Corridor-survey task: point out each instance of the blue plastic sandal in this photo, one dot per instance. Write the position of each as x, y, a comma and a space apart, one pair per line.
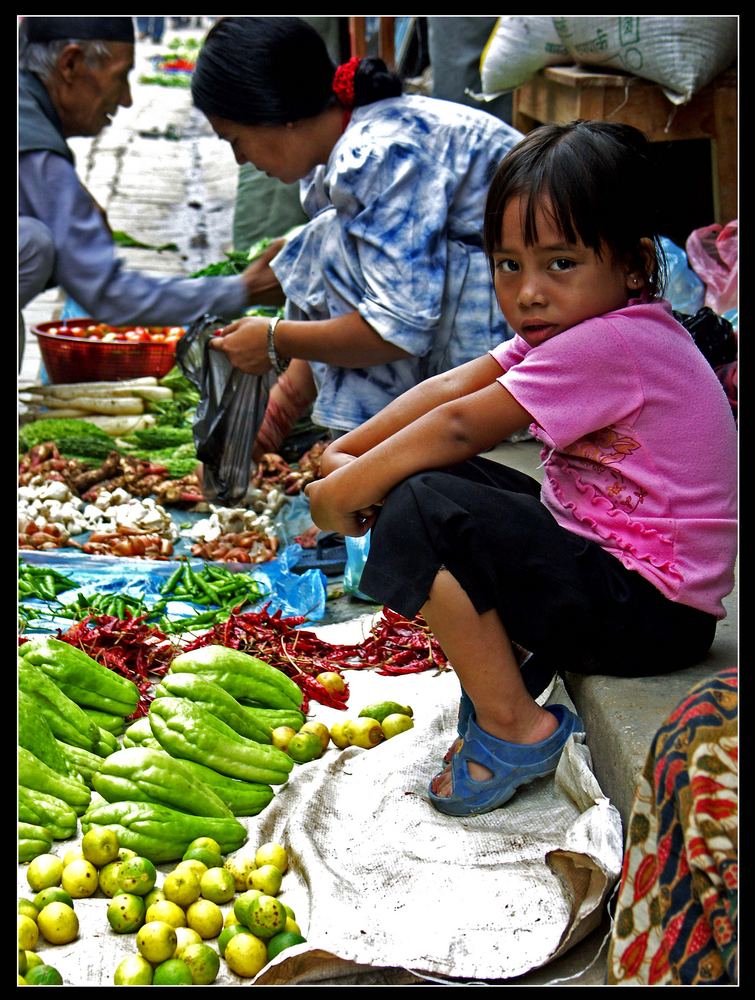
511, 765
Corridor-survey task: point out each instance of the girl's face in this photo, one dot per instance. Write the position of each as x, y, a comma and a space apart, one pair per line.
552, 285
280, 151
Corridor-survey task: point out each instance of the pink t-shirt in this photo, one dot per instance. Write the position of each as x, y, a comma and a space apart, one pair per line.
640, 446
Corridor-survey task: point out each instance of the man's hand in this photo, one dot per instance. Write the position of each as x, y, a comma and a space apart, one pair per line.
244, 342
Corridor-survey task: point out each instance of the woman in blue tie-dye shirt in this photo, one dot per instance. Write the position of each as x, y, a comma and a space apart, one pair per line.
387, 283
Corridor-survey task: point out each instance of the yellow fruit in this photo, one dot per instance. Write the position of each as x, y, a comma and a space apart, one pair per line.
396, 723
217, 885
320, 730
339, 733
73, 854
28, 933
246, 955
100, 845
184, 937
205, 917
240, 868
204, 963
58, 923
165, 910
243, 903
134, 970
271, 854
28, 908
332, 681
172, 972
365, 732
181, 887
109, 878
267, 878
44, 871
192, 865
281, 736
156, 941
304, 747
291, 925
137, 875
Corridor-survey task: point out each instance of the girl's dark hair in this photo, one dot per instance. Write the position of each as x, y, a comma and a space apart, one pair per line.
600, 183
274, 70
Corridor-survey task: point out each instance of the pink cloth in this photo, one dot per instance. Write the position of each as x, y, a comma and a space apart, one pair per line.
640, 447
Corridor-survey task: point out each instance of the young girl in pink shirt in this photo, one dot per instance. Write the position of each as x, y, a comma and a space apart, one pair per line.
619, 563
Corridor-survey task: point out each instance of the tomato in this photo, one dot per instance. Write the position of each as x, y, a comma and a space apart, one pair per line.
158, 338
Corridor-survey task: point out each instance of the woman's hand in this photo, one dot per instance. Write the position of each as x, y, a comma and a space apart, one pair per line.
262, 285
244, 342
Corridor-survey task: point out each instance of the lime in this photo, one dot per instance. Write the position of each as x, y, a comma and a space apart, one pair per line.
125, 912
134, 970
43, 975
23, 963
192, 865
58, 923
305, 747
281, 736
267, 879
28, 932
100, 845
208, 857
279, 942
164, 909
137, 875
54, 894
205, 917
32, 959
156, 941
291, 924
172, 972
240, 868
152, 896
228, 932
109, 878
181, 887
206, 842
80, 878
28, 908
43, 871
73, 854
272, 854
184, 937
217, 885
245, 955
204, 963
124, 853
243, 903
320, 730
267, 916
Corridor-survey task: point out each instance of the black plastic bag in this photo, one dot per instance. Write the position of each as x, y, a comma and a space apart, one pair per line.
713, 334
228, 415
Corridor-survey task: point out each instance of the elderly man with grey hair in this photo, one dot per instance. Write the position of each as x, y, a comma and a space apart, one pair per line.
74, 75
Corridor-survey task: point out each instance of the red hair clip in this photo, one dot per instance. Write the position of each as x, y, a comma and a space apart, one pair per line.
343, 82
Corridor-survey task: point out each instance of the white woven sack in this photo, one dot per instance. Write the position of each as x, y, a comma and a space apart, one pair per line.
681, 53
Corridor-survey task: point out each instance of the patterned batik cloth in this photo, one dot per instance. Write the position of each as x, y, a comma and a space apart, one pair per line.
676, 914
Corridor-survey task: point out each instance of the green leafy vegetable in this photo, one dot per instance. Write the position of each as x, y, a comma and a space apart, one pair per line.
124, 240
73, 437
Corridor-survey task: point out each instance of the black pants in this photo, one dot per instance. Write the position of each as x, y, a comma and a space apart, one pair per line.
560, 596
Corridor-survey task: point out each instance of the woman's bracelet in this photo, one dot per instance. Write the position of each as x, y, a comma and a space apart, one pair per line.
278, 364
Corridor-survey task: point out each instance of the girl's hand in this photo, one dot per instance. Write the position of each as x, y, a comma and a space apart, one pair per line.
244, 342
329, 516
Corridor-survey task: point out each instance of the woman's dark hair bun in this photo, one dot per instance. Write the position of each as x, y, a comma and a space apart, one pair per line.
373, 81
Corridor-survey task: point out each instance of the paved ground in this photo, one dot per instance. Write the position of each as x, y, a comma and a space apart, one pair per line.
162, 176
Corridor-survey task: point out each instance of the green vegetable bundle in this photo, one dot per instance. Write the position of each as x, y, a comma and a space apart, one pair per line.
33, 840
160, 833
140, 774
187, 731
73, 437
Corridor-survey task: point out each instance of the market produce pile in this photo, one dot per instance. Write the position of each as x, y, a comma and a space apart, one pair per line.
174, 67
223, 732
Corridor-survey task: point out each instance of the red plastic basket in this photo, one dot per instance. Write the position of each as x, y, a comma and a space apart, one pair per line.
76, 359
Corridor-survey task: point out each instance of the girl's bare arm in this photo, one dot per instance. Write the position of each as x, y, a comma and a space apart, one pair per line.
455, 430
